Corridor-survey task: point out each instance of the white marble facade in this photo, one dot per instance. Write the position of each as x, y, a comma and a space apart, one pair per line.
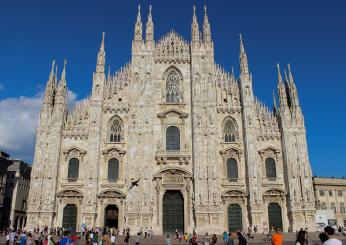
172, 120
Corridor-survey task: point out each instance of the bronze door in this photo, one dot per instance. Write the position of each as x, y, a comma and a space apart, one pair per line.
69, 220
235, 220
274, 215
111, 216
173, 212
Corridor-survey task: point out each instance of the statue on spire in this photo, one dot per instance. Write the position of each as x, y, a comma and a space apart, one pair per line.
101, 56
50, 86
150, 29
138, 26
194, 27
206, 27
244, 66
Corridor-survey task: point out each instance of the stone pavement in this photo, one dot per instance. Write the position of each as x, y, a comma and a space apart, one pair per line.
289, 239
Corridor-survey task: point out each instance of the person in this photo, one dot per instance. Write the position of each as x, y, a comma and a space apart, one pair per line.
7, 238
138, 238
225, 237
12, 237
206, 239
112, 239
255, 229
186, 238
301, 238
241, 238
323, 237
277, 237
145, 233
330, 232
168, 240
23, 239
127, 238
214, 240
230, 240
194, 239
29, 240
176, 234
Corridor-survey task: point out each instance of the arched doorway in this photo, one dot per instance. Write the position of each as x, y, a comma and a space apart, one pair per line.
274, 215
111, 216
235, 220
173, 211
69, 220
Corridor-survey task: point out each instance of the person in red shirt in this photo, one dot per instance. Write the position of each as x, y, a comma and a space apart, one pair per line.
277, 237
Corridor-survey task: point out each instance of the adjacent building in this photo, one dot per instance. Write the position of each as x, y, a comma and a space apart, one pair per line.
16, 194
4, 163
330, 193
172, 141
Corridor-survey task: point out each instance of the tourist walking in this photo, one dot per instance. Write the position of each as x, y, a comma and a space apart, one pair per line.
127, 238
301, 238
241, 238
230, 240
214, 239
112, 239
168, 240
225, 237
332, 240
206, 239
277, 237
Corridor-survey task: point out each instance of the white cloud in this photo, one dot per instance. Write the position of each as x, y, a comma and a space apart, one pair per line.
18, 124
2, 87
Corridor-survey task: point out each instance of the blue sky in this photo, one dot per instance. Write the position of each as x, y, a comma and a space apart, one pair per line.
310, 35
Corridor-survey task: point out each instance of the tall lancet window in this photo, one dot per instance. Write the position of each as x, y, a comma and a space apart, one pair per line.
172, 87
116, 130
230, 130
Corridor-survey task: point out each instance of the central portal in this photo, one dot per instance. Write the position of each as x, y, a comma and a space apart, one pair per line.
111, 216
173, 211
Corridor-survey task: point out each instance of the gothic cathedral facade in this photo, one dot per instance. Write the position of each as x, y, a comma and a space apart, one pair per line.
171, 141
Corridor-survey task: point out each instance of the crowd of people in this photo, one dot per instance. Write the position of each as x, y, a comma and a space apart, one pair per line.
110, 236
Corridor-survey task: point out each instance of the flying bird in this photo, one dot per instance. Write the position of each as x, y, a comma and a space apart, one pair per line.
134, 183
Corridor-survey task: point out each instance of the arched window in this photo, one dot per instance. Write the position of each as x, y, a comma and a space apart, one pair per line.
230, 130
323, 206
332, 206
232, 169
172, 87
172, 138
115, 131
270, 168
113, 169
342, 208
73, 168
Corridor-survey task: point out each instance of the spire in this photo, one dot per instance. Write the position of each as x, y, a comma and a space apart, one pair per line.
63, 74
50, 86
101, 56
150, 28
51, 74
61, 91
138, 26
292, 88
244, 66
279, 73
274, 102
206, 27
194, 27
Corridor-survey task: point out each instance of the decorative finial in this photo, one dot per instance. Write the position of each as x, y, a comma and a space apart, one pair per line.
63, 74
150, 8
205, 9
279, 73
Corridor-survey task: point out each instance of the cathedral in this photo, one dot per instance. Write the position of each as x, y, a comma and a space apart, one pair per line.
171, 141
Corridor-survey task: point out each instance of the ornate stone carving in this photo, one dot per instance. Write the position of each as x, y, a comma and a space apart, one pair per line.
74, 152
172, 48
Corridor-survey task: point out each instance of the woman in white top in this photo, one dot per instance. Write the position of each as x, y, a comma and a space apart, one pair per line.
301, 238
206, 239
